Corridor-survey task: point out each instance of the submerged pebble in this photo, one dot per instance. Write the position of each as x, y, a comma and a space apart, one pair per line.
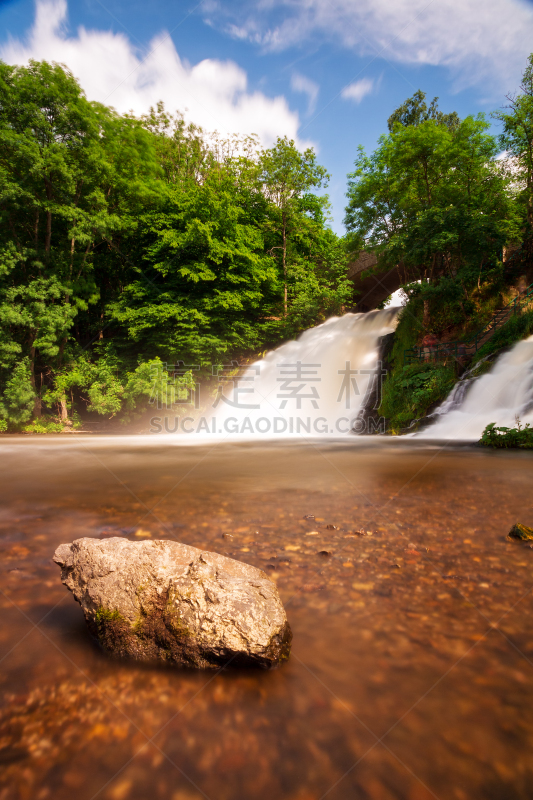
399, 643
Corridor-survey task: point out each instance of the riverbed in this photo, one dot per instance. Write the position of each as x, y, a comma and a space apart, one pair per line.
411, 672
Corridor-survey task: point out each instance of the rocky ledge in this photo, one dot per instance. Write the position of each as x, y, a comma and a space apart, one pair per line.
168, 601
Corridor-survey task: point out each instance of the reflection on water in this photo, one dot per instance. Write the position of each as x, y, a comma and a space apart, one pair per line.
410, 676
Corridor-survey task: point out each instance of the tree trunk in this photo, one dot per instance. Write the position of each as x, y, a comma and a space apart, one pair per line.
284, 264
37, 403
13, 231
63, 410
48, 239
427, 316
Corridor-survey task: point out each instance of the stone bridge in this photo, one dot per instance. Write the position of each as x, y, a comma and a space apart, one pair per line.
371, 286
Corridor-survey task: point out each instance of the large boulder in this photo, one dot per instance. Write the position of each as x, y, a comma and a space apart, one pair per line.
165, 600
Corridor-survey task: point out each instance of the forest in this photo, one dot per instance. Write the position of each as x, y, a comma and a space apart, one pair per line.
131, 245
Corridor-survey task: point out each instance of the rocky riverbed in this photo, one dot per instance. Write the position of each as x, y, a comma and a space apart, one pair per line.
410, 674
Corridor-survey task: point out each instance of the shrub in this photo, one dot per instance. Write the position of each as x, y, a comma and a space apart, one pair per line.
18, 399
519, 436
43, 425
411, 390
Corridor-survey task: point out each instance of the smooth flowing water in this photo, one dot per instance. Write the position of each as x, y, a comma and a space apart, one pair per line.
316, 385
504, 393
410, 676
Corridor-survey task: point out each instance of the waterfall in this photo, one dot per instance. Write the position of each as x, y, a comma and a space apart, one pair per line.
499, 396
313, 386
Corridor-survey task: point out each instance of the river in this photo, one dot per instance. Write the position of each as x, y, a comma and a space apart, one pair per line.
411, 670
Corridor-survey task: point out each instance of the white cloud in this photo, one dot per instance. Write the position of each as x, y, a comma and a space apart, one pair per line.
299, 83
357, 90
478, 40
111, 70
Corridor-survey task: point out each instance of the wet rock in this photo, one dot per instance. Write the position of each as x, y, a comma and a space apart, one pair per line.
165, 600
280, 561
519, 531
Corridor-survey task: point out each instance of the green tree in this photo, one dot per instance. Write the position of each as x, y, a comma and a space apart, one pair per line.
415, 111
126, 243
287, 176
206, 277
434, 201
517, 140
73, 176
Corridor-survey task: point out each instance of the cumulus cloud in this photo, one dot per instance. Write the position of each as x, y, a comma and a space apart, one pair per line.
357, 90
299, 83
111, 70
478, 40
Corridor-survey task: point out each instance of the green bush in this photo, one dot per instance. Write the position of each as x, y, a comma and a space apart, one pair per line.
408, 330
44, 425
18, 398
411, 390
519, 436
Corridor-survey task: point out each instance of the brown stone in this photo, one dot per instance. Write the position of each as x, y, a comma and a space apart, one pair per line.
161, 600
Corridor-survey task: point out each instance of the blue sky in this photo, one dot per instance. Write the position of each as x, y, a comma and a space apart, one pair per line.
325, 72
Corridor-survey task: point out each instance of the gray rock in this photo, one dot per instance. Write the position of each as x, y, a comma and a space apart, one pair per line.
164, 600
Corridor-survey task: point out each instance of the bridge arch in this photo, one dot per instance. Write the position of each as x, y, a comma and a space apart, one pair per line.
371, 285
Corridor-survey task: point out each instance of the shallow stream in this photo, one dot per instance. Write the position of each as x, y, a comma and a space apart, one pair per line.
411, 672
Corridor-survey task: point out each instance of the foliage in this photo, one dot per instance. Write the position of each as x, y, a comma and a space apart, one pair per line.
43, 425
18, 398
434, 200
415, 111
517, 140
512, 331
318, 294
408, 328
519, 436
437, 201
109, 390
128, 244
410, 391
288, 177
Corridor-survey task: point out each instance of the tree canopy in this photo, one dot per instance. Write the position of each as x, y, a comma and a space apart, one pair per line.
128, 242
435, 201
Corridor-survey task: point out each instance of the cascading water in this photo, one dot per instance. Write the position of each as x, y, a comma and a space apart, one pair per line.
503, 394
314, 386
